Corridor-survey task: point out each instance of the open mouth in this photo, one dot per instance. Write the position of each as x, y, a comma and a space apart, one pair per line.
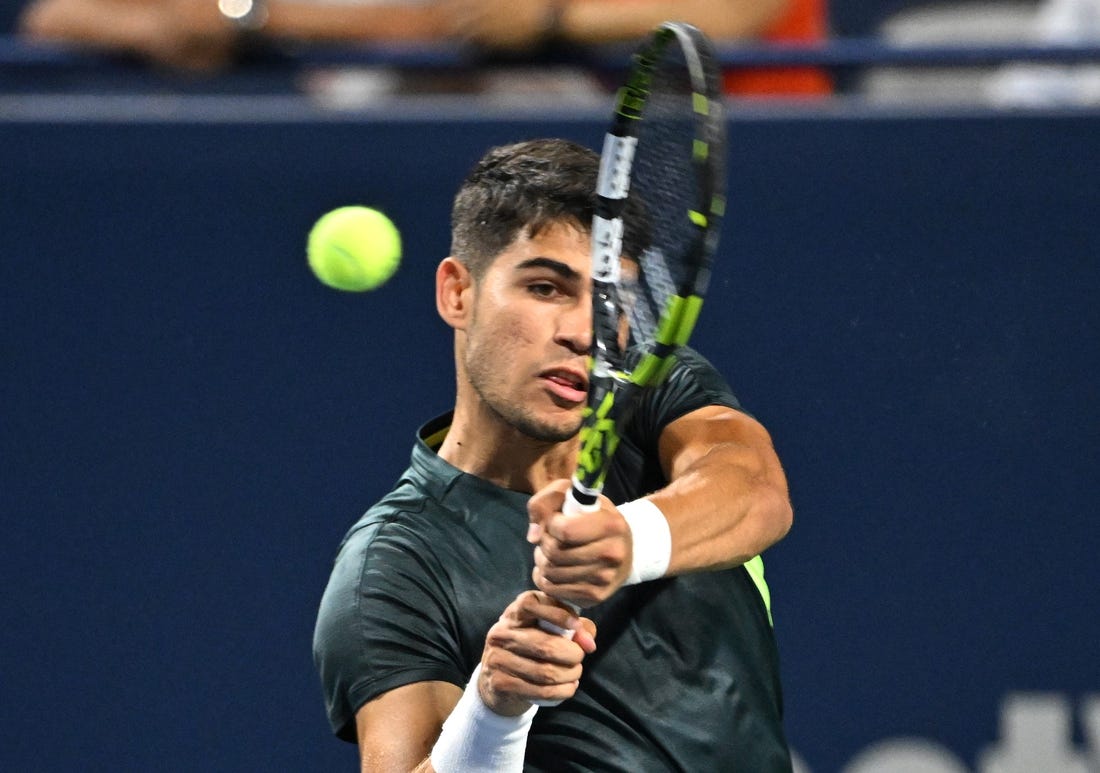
568, 385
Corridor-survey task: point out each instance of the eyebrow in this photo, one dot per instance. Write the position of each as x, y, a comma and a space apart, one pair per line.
559, 268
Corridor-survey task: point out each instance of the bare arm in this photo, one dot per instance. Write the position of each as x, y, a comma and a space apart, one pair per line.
728, 499
507, 24
336, 22
397, 729
192, 34
726, 502
604, 21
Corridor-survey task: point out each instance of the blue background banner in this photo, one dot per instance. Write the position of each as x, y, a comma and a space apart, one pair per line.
191, 421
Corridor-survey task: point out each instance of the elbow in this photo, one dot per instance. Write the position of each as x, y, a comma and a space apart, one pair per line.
787, 519
776, 515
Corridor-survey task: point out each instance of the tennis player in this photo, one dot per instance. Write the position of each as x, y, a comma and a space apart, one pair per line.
428, 639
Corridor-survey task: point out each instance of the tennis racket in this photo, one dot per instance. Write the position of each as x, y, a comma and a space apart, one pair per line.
661, 198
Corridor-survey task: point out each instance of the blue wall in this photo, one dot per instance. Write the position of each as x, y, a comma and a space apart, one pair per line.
190, 421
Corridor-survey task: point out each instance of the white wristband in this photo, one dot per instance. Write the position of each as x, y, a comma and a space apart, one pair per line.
475, 739
652, 540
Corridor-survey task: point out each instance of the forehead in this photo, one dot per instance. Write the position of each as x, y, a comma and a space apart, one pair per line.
561, 242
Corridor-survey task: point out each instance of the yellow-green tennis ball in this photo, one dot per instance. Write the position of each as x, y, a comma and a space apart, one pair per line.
354, 248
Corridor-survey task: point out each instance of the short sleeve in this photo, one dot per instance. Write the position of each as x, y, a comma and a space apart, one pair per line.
385, 620
692, 383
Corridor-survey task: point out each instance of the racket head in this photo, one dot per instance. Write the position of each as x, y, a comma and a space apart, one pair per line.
660, 203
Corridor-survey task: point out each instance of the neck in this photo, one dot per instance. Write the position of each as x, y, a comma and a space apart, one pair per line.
501, 454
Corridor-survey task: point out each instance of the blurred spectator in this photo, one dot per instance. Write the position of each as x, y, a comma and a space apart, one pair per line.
1057, 22
508, 24
513, 25
202, 34
199, 35
955, 23
992, 23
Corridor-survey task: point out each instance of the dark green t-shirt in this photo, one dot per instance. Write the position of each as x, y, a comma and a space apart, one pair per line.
685, 677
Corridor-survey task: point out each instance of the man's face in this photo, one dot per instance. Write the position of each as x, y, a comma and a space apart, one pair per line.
529, 335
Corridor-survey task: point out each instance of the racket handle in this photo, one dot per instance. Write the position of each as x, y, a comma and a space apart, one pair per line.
573, 506
577, 501
567, 633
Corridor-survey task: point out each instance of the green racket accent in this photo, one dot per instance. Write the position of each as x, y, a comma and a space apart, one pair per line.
599, 439
631, 99
651, 370
698, 218
677, 325
674, 331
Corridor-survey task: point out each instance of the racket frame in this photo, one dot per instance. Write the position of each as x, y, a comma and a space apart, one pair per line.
613, 391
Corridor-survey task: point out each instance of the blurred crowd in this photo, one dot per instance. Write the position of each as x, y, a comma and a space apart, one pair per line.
214, 36
208, 35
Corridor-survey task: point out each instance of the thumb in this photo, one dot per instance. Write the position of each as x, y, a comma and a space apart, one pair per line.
543, 506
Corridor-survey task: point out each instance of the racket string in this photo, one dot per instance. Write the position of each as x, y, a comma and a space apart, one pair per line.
664, 191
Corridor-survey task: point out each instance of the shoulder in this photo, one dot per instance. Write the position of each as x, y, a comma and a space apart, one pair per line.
386, 616
693, 382
693, 376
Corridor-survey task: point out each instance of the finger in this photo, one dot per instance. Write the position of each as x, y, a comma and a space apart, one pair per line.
536, 657
599, 553
531, 608
509, 685
598, 574
544, 505
609, 552
582, 591
542, 642
584, 635
507, 678
581, 528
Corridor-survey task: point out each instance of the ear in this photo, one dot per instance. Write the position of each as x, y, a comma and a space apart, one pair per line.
453, 288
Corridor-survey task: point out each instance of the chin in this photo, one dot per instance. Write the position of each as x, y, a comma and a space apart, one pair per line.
547, 431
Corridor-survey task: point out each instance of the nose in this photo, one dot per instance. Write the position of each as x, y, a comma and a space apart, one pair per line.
574, 330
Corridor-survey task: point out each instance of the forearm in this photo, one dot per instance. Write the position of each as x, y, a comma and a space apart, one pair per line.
119, 24
727, 499
723, 509
336, 22
607, 21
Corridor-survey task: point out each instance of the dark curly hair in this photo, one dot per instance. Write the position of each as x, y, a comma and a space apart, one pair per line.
526, 185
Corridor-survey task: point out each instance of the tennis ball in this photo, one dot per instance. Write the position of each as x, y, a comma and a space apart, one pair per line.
354, 248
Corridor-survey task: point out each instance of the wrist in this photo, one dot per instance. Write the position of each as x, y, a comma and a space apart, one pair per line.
651, 538
475, 739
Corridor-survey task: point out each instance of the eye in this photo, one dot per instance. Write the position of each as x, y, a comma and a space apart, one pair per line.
543, 289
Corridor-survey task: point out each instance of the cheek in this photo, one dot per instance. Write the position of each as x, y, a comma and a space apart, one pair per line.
510, 329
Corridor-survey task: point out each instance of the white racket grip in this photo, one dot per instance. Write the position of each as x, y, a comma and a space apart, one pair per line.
571, 507
616, 161
607, 246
